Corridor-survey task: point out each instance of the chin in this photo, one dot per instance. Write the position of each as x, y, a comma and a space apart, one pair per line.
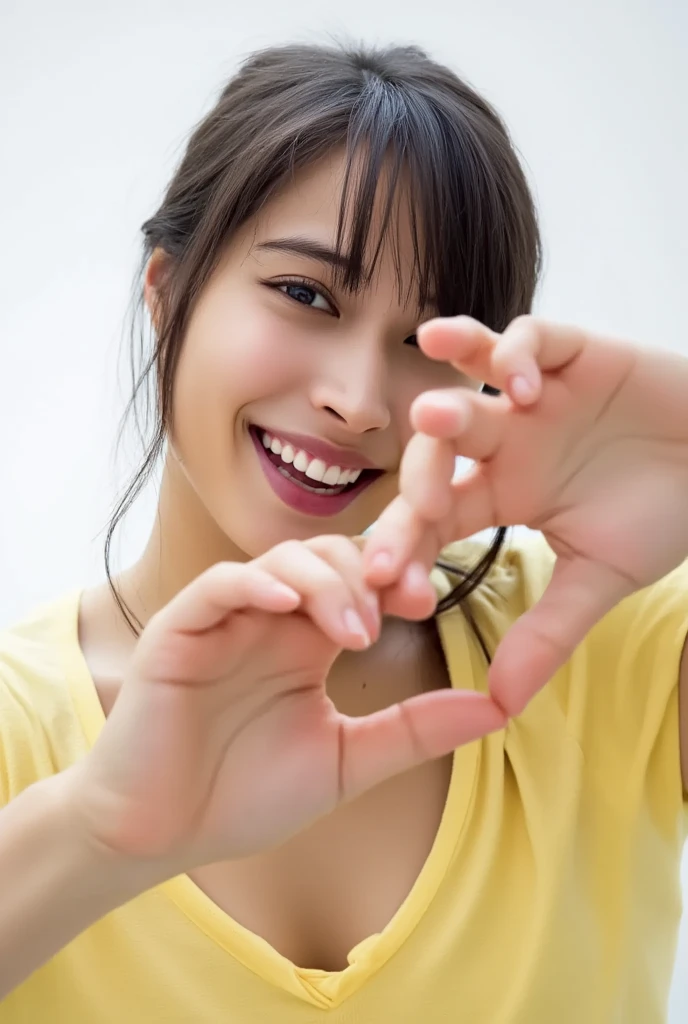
254, 536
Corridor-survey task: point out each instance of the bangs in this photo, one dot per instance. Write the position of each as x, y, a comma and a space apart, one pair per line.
470, 239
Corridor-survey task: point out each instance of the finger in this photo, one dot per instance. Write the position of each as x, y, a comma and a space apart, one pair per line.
427, 469
475, 424
511, 362
462, 341
528, 347
346, 557
405, 735
188, 638
413, 597
397, 534
473, 507
326, 596
220, 590
579, 594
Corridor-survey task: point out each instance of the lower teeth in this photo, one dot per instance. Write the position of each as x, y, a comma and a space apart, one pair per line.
313, 490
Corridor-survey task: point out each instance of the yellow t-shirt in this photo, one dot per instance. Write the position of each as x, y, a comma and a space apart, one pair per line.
551, 894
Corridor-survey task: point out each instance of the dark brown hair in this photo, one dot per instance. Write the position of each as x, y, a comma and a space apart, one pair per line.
475, 234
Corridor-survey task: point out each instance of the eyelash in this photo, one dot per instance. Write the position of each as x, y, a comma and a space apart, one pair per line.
319, 290
304, 282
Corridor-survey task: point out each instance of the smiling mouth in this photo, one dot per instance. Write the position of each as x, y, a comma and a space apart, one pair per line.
308, 472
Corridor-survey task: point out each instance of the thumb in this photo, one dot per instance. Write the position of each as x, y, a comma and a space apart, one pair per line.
398, 738
579, 594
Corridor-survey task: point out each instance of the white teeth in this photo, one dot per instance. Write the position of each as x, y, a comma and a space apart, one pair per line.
316, 470
305, 487
301, 461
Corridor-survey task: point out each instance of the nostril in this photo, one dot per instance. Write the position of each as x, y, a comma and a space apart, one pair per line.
328, 408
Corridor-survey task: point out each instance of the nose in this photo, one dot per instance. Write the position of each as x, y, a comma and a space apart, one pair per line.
352, 388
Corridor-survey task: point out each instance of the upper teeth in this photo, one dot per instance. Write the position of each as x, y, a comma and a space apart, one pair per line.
316, 469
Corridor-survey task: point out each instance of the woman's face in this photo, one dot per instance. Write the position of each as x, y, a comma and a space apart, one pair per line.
291, 399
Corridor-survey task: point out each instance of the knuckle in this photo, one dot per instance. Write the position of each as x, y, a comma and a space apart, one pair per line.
522, 322
332, 544
524, 335
218, 573
285, 551
155, 625
525, 330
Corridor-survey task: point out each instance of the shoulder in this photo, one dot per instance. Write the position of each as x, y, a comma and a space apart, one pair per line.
618, 695
523, 569
36, 706
515, 581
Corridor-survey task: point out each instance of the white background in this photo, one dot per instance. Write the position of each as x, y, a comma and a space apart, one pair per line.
95, 101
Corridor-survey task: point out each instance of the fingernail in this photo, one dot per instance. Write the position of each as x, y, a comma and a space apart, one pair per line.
373, 605
521, 388
280, 589
381, 560
353, 624
416, 576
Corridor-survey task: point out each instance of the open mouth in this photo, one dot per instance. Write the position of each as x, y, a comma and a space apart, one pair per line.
305, 482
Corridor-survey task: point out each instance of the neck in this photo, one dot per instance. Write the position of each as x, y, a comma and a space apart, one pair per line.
184, 542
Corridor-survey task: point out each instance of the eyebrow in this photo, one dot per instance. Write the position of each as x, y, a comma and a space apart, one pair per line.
308, 248
311, 249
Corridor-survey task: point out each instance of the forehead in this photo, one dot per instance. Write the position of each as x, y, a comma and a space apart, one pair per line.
319, 200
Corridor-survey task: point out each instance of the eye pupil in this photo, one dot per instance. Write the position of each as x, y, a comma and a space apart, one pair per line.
301, 293
411, 340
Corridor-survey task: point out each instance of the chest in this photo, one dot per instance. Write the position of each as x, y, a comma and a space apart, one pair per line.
321, 894
327, 889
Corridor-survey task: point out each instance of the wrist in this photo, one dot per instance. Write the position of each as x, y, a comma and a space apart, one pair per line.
55, 882
100, 875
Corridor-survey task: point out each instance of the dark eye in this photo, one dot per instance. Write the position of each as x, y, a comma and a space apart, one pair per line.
305, 295
411, 340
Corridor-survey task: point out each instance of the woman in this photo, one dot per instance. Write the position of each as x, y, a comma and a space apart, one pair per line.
227, 785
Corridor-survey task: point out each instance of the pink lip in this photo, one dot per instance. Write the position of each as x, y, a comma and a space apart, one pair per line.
295, 497
329, 453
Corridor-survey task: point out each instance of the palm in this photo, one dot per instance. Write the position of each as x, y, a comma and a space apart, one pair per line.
223, 740
276, 765
585, 470
232, 744
598, 462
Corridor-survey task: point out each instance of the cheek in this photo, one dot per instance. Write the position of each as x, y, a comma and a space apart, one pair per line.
413, 380
407, 387
238, 358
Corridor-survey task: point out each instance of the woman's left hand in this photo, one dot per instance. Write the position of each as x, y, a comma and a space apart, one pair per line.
587, 443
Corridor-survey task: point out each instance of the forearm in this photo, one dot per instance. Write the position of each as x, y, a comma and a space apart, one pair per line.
53, 884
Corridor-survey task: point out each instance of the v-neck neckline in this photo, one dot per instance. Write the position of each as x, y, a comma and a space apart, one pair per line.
325, 989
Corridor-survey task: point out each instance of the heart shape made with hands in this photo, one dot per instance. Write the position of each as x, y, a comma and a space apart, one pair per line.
587, 442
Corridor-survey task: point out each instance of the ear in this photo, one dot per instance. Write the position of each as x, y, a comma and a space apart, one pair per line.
154, 282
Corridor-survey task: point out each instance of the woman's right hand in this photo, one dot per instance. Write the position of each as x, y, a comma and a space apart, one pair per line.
223, 741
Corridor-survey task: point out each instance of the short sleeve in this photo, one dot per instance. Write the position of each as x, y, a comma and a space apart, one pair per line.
16, 740
619, 692
26, 751
622, 696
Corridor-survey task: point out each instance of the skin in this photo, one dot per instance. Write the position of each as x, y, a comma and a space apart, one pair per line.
341, 370
350, 379
343, 373
577, 409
